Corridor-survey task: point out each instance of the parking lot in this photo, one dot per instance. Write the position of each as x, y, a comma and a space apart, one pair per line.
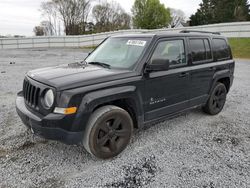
192, 150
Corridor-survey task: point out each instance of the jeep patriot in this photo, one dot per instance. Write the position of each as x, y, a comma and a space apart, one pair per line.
126, 82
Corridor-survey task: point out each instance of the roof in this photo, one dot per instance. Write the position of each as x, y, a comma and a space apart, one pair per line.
170, 34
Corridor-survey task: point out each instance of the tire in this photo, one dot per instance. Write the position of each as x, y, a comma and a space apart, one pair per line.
216, 100
108, 132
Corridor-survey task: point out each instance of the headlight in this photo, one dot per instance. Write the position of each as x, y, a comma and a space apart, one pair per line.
49, 98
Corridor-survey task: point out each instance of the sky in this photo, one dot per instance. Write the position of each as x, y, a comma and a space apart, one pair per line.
19, 17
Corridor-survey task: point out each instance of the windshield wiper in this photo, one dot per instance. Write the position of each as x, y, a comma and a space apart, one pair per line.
105, 65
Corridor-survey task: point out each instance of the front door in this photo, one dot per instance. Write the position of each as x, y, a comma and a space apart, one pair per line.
166, 92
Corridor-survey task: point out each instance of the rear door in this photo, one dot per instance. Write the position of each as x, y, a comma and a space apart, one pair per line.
201, 70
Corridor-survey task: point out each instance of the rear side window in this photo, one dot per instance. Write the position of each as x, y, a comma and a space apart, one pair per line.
201, 50
208, 49
221, 49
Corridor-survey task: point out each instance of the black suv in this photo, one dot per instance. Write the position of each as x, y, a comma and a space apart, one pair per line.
125, 83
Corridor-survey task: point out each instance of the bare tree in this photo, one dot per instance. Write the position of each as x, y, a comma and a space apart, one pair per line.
50, 13
177, 16
48, 28
74, 14
110, 16
44, 29
101, 15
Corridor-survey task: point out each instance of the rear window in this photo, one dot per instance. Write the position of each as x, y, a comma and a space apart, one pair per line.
201, 50
221, 49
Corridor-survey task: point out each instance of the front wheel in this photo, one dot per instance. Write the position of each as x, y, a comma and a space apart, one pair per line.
108, 132
216, 100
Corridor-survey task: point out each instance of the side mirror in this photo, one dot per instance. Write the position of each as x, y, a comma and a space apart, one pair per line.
158, 65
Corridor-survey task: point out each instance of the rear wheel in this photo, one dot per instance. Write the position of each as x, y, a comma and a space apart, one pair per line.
216, 100
108, 132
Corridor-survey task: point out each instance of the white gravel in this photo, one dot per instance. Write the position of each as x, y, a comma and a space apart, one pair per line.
192, 150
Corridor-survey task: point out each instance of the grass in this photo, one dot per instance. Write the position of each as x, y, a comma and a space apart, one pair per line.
88, 47
240, 47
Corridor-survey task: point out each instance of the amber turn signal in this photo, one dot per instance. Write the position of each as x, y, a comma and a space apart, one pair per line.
65, 111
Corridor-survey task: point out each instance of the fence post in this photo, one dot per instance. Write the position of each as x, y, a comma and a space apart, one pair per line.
93, 41
1, 43
33, 44
17, 43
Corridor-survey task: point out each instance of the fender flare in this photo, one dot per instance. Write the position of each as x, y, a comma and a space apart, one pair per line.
217, 76
93, 99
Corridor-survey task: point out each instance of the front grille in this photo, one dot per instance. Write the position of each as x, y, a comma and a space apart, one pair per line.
31, 94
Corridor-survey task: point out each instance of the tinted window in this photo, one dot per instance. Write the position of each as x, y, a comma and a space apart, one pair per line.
221, 48
172, 50
201, 50
208, 49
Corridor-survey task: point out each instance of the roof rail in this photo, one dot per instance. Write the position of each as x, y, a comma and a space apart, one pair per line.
194, 31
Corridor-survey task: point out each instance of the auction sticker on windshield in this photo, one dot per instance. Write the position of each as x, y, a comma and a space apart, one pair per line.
136, 42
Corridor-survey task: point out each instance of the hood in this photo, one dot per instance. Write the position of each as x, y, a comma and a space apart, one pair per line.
77, 75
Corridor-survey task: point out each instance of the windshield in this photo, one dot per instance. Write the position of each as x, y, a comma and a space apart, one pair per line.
118, 52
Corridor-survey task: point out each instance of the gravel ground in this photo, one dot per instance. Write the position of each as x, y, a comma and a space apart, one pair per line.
192, 150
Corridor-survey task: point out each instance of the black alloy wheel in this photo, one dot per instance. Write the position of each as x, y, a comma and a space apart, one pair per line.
110, 132
217, 99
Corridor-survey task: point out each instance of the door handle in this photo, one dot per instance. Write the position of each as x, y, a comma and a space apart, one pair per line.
183, 74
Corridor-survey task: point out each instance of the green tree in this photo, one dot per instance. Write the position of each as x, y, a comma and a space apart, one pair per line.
218, 11
204, 15
150, 14
242, 11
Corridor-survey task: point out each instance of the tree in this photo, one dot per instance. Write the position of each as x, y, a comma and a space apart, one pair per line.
218, 11
39, 31
44, 29
73, 13
150, 14
177, 17
89, 27
52, 19
110, 16
48, 28
205, 14
241, 11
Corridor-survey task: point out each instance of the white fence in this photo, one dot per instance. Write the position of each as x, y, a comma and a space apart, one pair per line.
236, 29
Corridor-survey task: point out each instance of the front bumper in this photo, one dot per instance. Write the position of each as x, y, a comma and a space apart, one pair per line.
48, 126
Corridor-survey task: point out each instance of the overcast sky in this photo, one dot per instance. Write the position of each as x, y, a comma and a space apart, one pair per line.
20, 16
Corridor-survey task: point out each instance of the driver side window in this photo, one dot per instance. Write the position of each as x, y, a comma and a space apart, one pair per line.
172, 50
